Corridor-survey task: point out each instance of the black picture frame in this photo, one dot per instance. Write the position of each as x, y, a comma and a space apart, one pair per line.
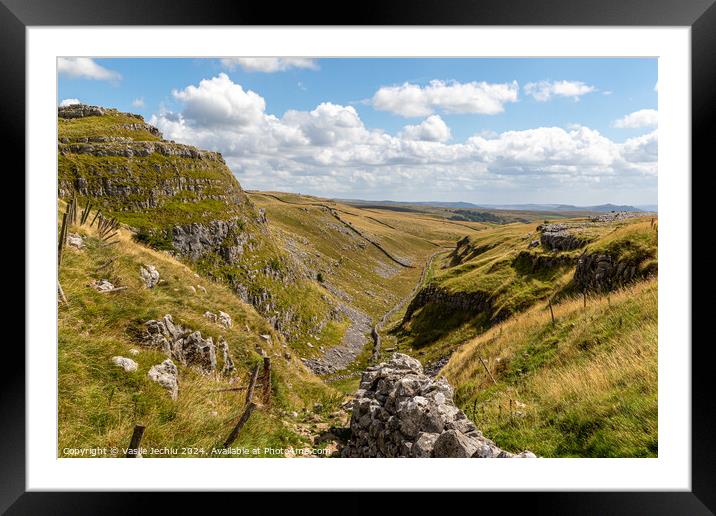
700, 15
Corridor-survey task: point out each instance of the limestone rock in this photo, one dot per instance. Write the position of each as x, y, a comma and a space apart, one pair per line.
423, 445
102, 285
452, 443
228, 361
399, 411
125, 363
225, 319
166, 375
75, 240
182, 344
195, 350
149, 274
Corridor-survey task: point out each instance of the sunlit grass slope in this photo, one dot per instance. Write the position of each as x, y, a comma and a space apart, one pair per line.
585, 386
99, 403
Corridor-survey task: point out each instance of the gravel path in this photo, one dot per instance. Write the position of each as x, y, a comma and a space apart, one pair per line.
353, 342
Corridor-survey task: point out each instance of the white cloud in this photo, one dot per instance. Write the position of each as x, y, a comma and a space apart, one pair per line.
85, 68
641, 118
641, 149
412, 100
329, 151
219, 101
432, 129
138, 103
69, 102
545, 90
269, 64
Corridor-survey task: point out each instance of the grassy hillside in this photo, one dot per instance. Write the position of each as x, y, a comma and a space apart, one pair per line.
185, 200
336, 243
99, 403
585, 386
499, 271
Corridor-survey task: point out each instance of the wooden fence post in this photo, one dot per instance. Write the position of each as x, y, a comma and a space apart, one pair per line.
137, 434
61, 293
584, 297
267, 381
62, 239
486, 369
252, 385
551, 312
242, 421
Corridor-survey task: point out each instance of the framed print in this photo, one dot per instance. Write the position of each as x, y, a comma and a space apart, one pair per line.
361, 255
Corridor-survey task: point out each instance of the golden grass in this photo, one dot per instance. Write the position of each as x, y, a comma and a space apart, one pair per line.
586, 386
99, 403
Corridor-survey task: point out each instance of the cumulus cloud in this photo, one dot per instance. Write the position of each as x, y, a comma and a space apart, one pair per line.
432, 129
412, 100
269, 64
138, 103
330, 151
85, 68
543, 91
69, 102
637, 119
219, 101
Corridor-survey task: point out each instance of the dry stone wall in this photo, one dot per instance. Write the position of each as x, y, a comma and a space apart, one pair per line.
401, 412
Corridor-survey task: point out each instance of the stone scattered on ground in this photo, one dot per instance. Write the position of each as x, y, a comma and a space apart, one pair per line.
202, 288
149, 274
182, 344
225, 319
125, 363
211, 316
166, 375
134, 351
401, 412
193, 290
620, 215
75, 240
102, 285
352, 344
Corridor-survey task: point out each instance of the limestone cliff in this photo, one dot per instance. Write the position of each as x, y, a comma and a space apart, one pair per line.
185, 200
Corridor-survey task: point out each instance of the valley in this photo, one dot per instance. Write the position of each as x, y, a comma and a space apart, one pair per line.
539, 325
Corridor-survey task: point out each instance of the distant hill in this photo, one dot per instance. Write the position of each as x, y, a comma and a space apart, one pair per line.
561, 207
513, 207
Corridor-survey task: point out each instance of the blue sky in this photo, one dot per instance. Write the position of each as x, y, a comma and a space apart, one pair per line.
483, 130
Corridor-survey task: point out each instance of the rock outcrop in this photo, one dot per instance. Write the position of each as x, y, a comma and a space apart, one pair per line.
81, 111
601, 272
560, 237
222, 236
166, 374
400, 412
182, 344
465, 302
150, 275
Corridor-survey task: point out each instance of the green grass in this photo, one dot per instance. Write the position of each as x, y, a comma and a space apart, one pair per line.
99, 403
111, 124
584, 387
156, 193
496, 265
